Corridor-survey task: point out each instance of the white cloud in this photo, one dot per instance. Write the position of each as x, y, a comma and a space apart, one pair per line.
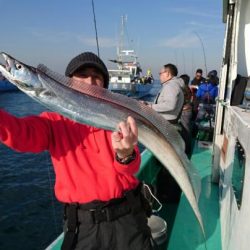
104, 42
204, 26
197, 12
184, 40
50, 36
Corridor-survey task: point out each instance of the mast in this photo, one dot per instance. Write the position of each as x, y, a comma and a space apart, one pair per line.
121, 42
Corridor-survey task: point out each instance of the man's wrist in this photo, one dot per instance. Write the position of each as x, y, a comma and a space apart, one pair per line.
127, 159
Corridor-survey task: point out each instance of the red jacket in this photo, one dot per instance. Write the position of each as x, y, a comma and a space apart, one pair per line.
82, 156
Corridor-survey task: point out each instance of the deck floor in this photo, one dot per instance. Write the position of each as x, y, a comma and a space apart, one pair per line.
186, 233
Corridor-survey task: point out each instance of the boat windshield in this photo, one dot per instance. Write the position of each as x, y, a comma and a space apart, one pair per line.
117, 73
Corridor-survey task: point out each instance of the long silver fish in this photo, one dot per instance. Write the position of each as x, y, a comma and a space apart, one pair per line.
101, 108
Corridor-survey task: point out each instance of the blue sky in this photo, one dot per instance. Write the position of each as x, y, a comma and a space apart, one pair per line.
161, 31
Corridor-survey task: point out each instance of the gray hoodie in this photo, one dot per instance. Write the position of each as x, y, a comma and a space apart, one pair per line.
170, 99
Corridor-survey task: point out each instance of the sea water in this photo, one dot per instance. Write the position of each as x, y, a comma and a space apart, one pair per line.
30, 216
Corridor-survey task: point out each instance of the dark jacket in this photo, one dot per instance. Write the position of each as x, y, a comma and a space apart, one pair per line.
197, 82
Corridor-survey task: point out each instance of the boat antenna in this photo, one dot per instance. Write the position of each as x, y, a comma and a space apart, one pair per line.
127, 35
96, 36
121, 42
203, 49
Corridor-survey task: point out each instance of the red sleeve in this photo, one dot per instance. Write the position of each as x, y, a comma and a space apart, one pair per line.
28, 134
132, 167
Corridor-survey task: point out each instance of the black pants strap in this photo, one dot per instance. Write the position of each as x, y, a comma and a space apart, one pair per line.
70, 236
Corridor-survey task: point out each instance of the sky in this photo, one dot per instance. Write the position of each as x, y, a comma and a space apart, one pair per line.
52, 32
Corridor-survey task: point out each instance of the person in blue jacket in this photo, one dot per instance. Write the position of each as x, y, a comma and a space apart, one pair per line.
208, 90
206, 94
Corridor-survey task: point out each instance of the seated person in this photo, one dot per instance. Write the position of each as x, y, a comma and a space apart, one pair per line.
213, 75
194, 85
186, 115
208, 90
198, 79
170, 99
206, 94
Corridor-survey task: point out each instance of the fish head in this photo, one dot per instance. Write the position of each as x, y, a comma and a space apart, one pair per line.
25, 77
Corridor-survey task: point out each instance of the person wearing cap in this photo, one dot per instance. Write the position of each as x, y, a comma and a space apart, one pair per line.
206, 95
208, 90
212, 76
94, 169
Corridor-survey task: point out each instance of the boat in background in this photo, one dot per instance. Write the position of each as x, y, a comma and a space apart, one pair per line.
127, 78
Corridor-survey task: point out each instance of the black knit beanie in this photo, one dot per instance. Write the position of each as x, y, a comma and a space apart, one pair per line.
88, 59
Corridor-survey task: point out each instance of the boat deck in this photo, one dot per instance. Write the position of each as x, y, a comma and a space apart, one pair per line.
186, 233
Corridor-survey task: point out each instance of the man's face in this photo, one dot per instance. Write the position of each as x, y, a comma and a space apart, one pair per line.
198, 75
89, 76
164, 75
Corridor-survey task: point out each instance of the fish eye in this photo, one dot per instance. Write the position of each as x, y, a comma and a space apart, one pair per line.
18, 66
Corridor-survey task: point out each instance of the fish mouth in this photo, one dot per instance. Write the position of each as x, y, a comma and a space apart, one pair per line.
10, 70
12, 63
6, 69
9, 62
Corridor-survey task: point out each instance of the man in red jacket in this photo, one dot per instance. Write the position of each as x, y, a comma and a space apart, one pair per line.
94, 169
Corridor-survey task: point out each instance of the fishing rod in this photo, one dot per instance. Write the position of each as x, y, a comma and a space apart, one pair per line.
203, 49
184, 61
96, 36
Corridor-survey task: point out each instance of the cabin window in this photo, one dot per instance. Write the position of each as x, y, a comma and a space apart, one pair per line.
238, 172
